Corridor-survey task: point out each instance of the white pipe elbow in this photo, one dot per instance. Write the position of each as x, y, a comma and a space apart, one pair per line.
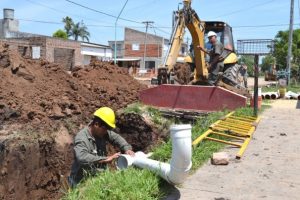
181, 161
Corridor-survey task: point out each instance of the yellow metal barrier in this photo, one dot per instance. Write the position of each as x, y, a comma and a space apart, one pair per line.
238, 128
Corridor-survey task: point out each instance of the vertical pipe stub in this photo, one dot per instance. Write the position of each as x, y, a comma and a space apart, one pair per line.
181, 161
180, 130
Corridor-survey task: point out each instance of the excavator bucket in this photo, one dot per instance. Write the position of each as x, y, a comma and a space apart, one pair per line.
200, 98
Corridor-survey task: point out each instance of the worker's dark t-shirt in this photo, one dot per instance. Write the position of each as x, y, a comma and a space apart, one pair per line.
216, 50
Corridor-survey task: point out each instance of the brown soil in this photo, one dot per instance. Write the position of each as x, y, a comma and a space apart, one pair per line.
139, 132
42, 107
37, 91
183, 73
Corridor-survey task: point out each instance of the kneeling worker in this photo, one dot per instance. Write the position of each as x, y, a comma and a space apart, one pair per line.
90, 146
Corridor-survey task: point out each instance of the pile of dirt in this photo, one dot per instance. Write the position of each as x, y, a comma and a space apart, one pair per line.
38, 91
183, 73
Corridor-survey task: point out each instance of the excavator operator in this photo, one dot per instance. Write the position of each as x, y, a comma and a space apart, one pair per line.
216, 61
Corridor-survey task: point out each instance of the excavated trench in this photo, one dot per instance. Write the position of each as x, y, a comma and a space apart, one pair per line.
42, 107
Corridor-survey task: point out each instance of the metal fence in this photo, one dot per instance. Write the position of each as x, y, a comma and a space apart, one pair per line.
255, 47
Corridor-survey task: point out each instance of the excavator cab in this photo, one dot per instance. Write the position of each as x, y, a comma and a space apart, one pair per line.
224, 35
223, 31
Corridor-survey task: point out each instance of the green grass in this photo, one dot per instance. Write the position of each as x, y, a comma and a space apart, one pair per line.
134, 108
135, 184
155, 115
130, 184
293, 87
200, 154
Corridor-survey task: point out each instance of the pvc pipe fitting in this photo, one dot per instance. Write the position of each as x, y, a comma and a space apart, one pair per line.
181, 161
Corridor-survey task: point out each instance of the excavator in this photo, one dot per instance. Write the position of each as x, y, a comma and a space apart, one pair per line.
230, 78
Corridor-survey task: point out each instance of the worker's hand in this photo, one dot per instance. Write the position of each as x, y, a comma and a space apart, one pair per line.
208, 67
130, 152
199, 47
110, 158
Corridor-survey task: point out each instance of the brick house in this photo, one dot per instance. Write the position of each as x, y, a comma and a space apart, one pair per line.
133, 48
68, 53
65, 52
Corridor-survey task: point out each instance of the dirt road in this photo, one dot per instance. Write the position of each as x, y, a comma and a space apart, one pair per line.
269, 169
261, 82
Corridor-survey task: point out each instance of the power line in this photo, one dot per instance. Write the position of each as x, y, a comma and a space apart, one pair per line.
89, 25
39, 21
262, 26
61, 11
143, 5
103, 13
159, 28
244, 9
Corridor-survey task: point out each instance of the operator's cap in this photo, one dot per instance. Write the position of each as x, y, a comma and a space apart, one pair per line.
211, 33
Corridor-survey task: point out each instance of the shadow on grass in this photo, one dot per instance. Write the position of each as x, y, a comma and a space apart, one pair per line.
170, 191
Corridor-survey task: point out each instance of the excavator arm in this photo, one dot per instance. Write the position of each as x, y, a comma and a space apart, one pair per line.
187, 17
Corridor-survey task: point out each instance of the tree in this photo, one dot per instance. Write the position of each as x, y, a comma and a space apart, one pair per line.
60, 34
249, 61
76, 30
68, 25
80, 30
281, 49
267, 63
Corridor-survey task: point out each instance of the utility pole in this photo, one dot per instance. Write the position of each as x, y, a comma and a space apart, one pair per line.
187, 44
115, 49
145, 41
289, 56
157, 42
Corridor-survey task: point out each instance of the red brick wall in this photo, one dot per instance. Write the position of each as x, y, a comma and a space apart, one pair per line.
153, 50
14, 43
52, 43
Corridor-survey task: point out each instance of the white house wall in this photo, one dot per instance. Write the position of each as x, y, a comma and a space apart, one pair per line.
104, 53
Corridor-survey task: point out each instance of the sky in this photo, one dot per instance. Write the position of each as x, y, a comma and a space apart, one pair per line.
255, 19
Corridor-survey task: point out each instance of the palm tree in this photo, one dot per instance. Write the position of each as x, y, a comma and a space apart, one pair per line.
68, 25
80, 30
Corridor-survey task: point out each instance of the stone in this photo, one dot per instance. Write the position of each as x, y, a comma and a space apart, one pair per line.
68, 112
220, 158
56, 112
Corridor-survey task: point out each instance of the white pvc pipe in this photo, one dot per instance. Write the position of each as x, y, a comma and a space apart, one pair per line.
274, 95
268, 95
181, 161
292, 95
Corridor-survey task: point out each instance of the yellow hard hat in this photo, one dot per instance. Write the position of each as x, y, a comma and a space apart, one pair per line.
107, 115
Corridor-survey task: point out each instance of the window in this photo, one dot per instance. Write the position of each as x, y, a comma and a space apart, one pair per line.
150, 64
119, 47
36, 52
135, 47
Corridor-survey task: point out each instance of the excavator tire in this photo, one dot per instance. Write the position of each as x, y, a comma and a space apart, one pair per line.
232, 75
